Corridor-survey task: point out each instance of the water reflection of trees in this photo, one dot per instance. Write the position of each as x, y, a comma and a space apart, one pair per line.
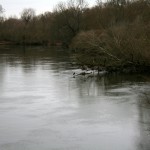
93, 89
90, 86
31, 57
144, 121
98, 85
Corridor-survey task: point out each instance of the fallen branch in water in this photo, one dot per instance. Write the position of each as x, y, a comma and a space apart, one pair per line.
82, 73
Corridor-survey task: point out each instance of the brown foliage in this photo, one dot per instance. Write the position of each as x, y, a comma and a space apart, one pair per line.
119, 44
114, 32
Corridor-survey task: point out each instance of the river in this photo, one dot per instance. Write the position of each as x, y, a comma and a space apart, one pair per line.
43, 107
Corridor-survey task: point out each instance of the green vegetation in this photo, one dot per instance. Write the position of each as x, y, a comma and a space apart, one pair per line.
114, 35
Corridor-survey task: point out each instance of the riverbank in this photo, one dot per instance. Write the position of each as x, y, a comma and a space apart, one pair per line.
85, 63
114, 49
128, 69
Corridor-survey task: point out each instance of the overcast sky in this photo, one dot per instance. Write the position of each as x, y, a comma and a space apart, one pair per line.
14, 7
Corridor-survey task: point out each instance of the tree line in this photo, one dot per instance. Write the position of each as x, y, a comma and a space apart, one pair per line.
59, 26
116, 32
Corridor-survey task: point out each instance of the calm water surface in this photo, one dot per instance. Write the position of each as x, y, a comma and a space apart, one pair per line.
42, 107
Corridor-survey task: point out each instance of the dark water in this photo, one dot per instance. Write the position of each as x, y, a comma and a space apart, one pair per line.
42, 107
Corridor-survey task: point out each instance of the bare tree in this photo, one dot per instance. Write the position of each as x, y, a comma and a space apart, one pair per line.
27, 15
1, 13
117, 2
1, 9
69, 18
